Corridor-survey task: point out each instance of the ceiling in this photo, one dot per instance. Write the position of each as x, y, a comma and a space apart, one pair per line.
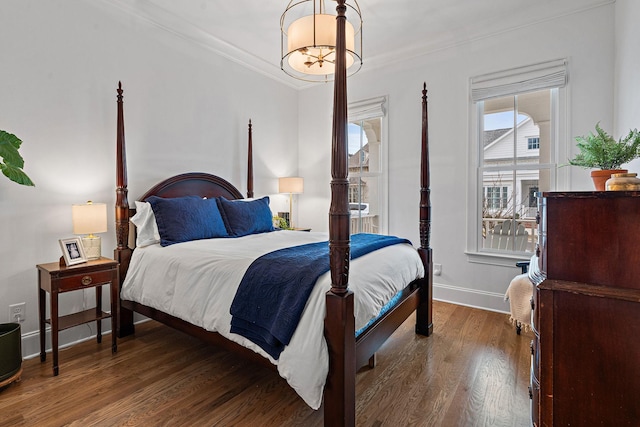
248, 31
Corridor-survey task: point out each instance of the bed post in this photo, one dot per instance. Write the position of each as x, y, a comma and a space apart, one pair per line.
340, 394
424, 321
122, 253
250, 164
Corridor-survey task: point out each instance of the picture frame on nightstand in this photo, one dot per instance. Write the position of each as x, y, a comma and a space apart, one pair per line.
72, 251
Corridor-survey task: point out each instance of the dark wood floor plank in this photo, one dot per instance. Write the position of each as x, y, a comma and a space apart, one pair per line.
473, 371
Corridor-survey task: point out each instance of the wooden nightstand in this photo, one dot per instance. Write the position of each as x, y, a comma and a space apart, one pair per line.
300, 229
55, 278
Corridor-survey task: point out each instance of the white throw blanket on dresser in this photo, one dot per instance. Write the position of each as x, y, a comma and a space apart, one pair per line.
519, 295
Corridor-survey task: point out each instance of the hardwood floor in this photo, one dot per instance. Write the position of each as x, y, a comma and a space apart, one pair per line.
473, 371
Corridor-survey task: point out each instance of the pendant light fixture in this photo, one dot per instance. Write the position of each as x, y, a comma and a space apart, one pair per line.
308, 39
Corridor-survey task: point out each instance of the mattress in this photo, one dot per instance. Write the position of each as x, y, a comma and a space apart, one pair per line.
196, 281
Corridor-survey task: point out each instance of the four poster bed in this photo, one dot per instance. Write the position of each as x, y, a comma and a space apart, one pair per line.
328, 348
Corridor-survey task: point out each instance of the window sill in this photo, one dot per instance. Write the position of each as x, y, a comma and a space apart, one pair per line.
493, 258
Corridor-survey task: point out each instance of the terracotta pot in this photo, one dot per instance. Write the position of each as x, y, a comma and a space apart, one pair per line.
600, 177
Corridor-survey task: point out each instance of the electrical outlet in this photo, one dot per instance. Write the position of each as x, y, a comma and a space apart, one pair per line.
437, 269
18, 312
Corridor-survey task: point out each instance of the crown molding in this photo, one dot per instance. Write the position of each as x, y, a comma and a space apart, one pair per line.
412, 53
158, 17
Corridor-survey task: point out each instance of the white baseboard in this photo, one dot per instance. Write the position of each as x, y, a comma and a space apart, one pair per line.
453, 294
67, 338
484, 300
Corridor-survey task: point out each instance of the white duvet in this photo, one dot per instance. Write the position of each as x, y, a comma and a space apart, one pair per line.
196, 281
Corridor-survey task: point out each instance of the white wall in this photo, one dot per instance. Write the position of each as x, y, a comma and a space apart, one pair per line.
447, 73
186, 109
627, 80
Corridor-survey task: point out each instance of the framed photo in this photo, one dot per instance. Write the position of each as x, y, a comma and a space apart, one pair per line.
72, 251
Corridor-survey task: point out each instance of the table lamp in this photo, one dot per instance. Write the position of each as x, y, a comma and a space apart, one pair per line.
291, 185
88, 219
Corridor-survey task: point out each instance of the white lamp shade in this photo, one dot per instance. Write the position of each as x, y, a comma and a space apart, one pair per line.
89, 218
292, 185
300, 35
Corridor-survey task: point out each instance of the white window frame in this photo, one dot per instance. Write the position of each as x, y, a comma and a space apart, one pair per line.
503, 195
545, 75
370, 109
535, 140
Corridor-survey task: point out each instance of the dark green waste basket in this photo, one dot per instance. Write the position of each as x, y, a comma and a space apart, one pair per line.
10, 350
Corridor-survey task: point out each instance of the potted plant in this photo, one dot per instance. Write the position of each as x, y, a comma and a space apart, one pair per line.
281, 223
10, 353
11, 162
601, 151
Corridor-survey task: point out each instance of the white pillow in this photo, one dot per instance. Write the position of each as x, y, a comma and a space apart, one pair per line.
146, 228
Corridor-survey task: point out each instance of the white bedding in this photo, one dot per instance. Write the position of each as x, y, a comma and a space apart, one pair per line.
196, 281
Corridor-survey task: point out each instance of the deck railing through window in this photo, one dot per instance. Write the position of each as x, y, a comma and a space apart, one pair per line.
364, 224
489, 225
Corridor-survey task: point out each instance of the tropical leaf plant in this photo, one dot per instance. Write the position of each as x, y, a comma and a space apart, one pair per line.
601, 151
11, 162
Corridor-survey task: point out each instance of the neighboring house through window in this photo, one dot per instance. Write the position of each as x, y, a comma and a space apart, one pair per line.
496, 197
515, 122
367, 165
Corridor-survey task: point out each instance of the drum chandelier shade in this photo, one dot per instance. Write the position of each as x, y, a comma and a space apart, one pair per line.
308, 39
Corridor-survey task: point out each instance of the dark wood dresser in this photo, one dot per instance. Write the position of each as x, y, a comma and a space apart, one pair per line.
586, 311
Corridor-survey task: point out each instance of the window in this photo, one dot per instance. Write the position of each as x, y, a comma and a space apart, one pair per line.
367, 162
496, 197
516, 115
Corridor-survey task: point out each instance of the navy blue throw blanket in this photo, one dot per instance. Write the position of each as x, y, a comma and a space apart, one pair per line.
275, 288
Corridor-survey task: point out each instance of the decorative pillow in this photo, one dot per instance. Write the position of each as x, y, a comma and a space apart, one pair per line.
243, 218
146, 227
182, 219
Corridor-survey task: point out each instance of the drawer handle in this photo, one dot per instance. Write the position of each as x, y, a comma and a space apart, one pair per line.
86, 280
530, 393
531, 347
533, 304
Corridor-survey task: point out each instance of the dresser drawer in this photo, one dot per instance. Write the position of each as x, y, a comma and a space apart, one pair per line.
79, 281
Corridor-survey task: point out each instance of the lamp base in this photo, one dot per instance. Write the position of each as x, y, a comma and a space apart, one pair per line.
92, 247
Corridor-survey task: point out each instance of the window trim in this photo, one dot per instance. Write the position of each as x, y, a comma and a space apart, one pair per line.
514, 81
369, 109
558, 131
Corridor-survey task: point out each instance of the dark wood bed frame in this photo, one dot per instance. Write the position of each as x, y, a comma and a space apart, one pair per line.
346, 353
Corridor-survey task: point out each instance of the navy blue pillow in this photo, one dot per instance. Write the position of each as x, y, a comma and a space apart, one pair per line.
244, 218
183, 219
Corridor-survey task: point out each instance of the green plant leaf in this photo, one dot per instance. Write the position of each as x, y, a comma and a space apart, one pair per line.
16, 175
601, 151
281, 223
9, 152
12, 162
10, 138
